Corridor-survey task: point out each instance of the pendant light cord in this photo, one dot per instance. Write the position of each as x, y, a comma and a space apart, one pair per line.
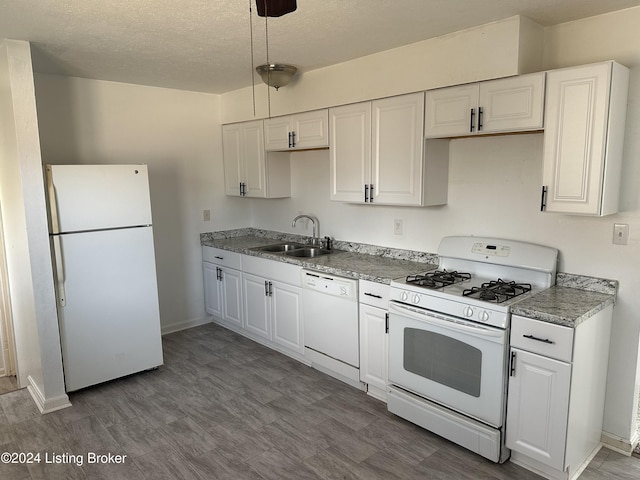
266, 33
253, 79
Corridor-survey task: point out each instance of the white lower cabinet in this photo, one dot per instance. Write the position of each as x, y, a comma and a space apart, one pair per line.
274, 311
374, 328
538, 389
223, 287
257, 305
273, 303
555, 404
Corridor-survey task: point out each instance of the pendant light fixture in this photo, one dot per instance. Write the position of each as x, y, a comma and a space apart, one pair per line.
275, 75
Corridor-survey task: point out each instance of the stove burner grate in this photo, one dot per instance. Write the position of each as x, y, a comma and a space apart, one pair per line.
497, 291
438, 278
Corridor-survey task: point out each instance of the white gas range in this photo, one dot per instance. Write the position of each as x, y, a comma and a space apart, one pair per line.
449, 337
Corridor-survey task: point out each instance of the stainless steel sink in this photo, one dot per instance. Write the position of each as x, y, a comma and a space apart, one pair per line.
280, 247
295, 250
308, 252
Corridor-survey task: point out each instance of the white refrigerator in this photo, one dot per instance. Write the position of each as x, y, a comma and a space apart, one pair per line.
105, 271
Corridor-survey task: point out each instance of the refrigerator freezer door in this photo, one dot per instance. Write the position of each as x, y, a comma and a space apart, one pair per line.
110, 324
97, 197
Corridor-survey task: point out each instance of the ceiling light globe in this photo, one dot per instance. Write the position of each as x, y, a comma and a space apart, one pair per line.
276, 75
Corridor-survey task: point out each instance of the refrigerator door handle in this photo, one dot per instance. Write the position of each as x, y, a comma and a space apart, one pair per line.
57, 254
53, 204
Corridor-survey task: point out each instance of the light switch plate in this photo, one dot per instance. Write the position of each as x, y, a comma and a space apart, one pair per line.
397, 226
620, 233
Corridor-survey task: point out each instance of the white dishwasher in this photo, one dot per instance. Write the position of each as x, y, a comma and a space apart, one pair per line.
330, 306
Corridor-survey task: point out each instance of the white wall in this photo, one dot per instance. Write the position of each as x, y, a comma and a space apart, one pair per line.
177, 133
494, 182
33, 304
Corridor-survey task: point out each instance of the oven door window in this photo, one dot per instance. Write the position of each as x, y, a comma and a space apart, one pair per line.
443, 359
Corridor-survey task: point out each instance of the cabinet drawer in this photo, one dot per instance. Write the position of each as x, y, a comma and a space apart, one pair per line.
221, 257
272, 269
546, 339
374, 294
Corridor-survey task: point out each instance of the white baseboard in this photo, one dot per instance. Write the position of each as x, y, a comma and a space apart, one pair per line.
620, 445
176, 327
46, 405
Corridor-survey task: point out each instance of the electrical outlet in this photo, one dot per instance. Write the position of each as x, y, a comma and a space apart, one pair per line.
397, 226
620, 233
206, 215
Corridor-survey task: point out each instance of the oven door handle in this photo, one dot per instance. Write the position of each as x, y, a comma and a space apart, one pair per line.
428, 317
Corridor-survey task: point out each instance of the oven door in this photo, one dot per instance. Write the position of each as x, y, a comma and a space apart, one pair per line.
453, 362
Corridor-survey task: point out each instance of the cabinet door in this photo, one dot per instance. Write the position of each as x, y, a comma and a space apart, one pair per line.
451, 111
511, 104
254, 160
299, 131
538, 406
256, 306
397, 126
232, 294
311, 129
373, 346
350, 151
232, 140
575, 142
277, 133
286, 315
212, 290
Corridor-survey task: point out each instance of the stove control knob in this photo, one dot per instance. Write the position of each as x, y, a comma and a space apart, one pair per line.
416, 299
404, 296
468, 312
484, 316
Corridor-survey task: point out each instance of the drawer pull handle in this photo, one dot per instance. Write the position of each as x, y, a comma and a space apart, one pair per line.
372, 295
543, 340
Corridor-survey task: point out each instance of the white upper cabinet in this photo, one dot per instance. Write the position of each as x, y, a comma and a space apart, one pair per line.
350, 151
583, 140
498, 106
377, 154
248, 171
297, 132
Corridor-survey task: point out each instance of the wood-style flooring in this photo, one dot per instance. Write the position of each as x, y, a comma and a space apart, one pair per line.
8, 384
224, 407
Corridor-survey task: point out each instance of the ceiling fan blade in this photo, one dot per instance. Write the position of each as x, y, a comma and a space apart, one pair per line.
275, 8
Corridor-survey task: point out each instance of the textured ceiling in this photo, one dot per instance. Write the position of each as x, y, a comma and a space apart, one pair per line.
206, 45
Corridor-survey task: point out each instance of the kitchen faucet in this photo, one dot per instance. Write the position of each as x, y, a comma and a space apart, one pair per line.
316, 230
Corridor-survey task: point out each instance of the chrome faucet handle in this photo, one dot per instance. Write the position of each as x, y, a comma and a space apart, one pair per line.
328, 243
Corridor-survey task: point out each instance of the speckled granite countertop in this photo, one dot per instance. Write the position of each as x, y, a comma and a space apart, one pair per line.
574, 298
360, 261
